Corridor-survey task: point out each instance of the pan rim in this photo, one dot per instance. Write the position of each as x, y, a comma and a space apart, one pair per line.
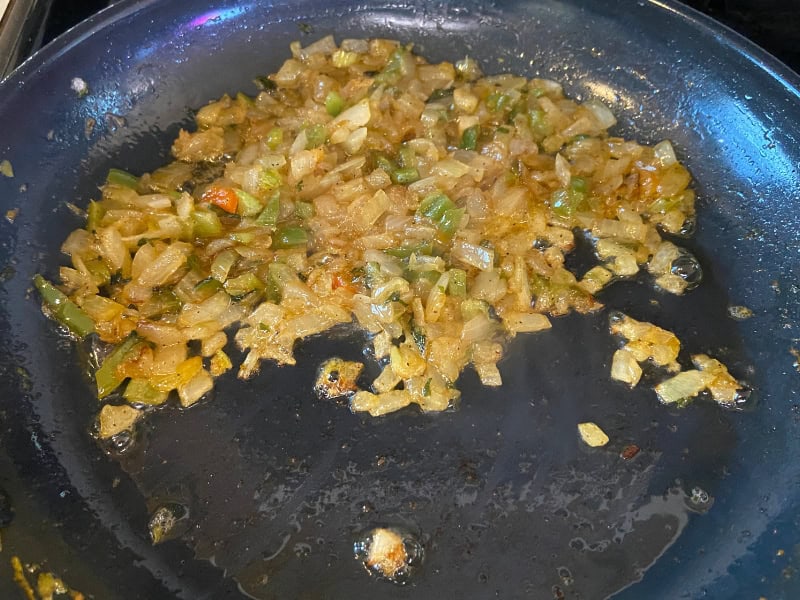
703, 24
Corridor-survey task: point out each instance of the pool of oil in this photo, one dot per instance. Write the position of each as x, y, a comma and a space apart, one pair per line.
500, 493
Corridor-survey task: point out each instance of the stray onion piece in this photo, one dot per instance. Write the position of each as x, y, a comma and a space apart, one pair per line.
592, 435
648, 343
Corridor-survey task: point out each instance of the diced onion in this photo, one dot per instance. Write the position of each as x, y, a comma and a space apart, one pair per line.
665, 154
475, 256
682, 387
526, 322
625, 368
592, 435
604, 117
434, 206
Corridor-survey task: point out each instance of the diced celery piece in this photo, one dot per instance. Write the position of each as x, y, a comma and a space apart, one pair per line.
457, 284
289, 237
269, 179
207, 288
304, 210
405, 176
249, 205
425, 248
120, 177
334, 103
274, 138
94, 212
269, 216
106, 376
243, 284
434, 206
139, 391
469, 139
316, 135
448, 223
64, 310
206, 224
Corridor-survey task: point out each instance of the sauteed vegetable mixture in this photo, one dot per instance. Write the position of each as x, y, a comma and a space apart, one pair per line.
430, 204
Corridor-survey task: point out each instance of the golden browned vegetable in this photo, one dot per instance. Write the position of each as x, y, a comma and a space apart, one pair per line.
592, 435
116, 419
710, 374
387, 553
647, 342
432, 205
337, 378
48, 585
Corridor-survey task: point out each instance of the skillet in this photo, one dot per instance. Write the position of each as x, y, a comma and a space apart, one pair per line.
277, 485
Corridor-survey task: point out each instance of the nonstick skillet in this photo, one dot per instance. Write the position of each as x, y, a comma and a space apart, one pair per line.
275, 486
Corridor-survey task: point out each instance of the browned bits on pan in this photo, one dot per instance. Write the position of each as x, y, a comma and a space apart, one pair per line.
337, 378
389, 553
796, 354
629, 451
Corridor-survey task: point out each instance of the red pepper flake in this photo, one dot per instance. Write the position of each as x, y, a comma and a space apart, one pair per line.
340, 281
224, 198
628, 452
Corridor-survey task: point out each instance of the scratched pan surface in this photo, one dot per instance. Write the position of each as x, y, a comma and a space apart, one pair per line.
504, 499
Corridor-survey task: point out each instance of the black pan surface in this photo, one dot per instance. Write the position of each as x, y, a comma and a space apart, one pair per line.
501, 495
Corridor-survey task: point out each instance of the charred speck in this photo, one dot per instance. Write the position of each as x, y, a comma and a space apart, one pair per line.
628, 452
265, 84
469, 470
118, 279
440, 94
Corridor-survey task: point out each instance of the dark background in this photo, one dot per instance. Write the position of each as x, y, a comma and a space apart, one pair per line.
772, 24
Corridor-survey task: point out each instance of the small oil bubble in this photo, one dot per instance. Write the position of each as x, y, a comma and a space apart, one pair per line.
615, 317
301, 549
743, 395
687, 267
744, 535
115, 122
689, 227
699, 500
120, 443
577, 544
